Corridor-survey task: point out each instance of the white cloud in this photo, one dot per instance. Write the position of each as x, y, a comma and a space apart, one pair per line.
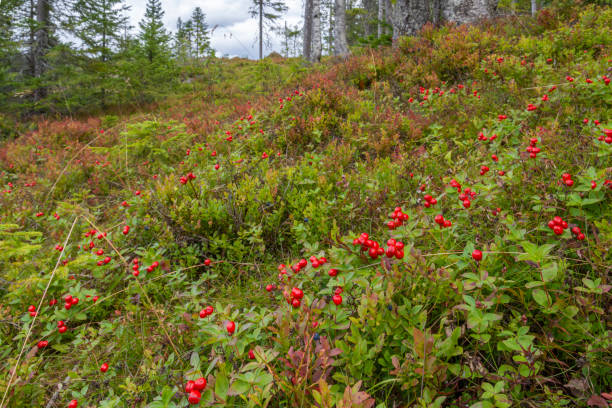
236, 31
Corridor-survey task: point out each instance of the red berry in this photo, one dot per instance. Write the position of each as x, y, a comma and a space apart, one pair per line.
104, 367
62, 329
297, 293
251, 354
200, 384
477, 255
73, 404
230, 327
295, 303
194, 397
337, 299
333, 272
189, 386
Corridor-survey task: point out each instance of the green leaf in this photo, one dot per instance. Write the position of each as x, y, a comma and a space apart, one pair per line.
240, 387
195, 360
541, 297
221, 386
549, 271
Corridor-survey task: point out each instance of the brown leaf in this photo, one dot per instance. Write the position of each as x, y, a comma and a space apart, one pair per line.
578, 386
597, 401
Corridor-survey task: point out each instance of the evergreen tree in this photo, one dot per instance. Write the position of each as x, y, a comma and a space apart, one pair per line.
98, 23
290, 40
182, 40
268, 11
153, 35
201, 38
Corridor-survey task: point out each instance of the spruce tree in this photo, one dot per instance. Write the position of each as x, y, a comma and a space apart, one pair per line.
99, 24
201, 38
153, 35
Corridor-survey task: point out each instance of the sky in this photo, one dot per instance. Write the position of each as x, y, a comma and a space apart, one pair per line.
236, 32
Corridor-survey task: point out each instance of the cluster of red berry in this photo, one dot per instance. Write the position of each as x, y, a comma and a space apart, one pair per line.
484, 170
531, 107
207, 311
395, 248
194, 390
482, 137
104, 261
606, 137
579, 235
32, 310
466, 197
429, 201
439, 219
558, 225
532, 149
398, 218
337, 298
70, 301
61, 326
567, 179
187, 178
295, 297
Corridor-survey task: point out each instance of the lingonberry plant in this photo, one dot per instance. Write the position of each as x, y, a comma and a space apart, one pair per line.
283, 236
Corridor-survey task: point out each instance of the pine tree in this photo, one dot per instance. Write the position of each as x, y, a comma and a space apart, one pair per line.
267, 11
153, 36
201, 37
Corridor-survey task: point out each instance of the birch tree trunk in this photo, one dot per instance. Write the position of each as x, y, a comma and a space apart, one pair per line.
381, 16
307, 31
534, 8
340, 43
315, 52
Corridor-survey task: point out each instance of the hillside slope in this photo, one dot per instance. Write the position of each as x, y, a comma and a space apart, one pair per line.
428, 225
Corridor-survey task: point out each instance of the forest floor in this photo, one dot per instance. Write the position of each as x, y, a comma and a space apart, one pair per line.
426, 225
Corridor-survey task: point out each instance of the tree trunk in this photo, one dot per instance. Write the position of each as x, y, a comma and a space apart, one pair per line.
315, 55
534, 8
468, 11
260, 29
340, 43
409, 16
307, 41
42, 42
331, 28
381, 16
31, 41
388, 15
